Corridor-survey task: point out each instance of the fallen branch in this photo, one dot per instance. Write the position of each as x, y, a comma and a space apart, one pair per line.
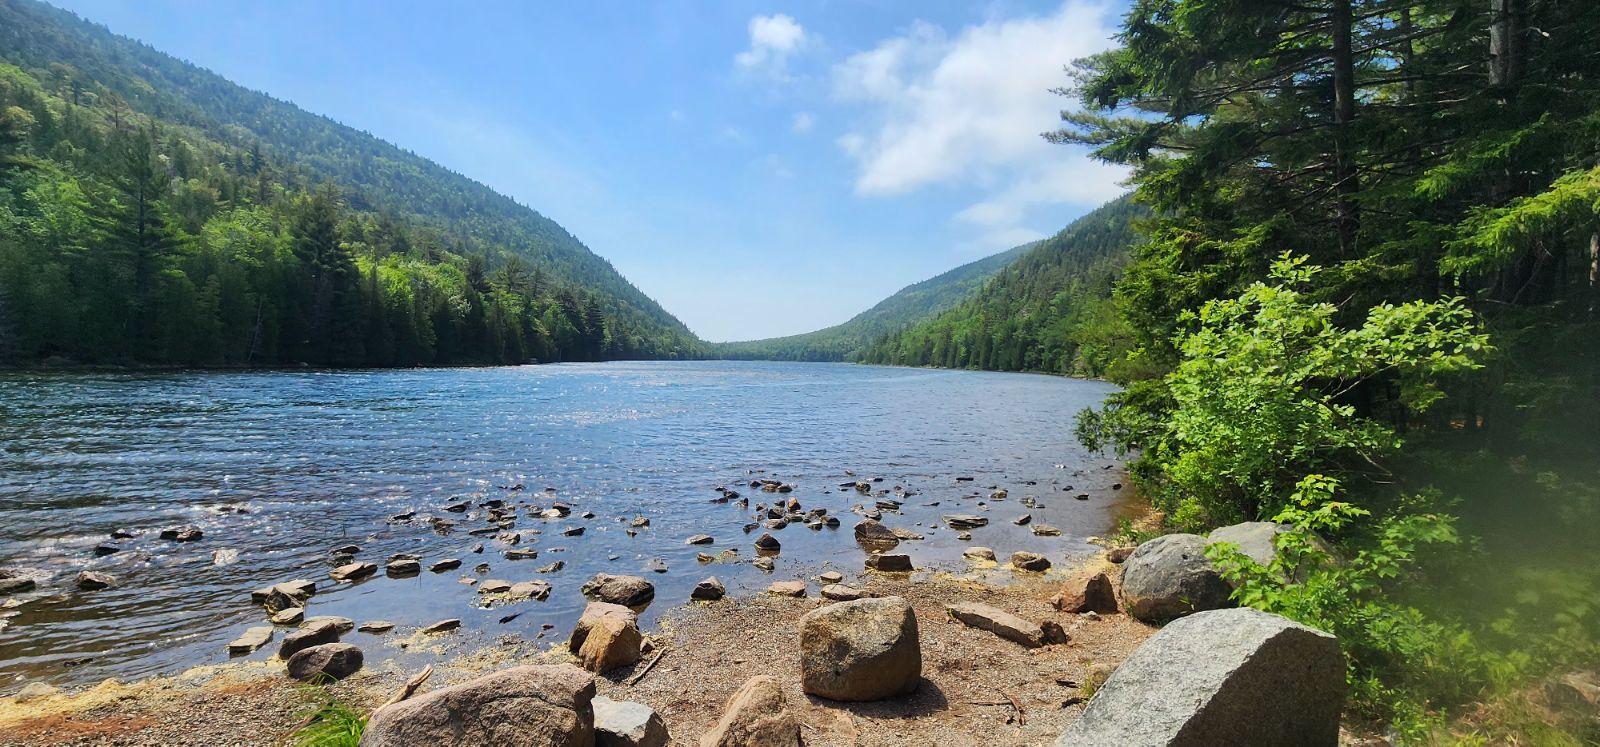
406, 691
634, 680
1022, 715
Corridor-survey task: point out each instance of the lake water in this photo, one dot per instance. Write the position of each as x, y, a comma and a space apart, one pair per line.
278, 467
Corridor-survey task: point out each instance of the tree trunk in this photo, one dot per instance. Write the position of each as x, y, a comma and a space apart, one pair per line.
1505, 42
1346, 182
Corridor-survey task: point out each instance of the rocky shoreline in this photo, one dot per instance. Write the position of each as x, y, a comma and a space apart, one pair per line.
994, 655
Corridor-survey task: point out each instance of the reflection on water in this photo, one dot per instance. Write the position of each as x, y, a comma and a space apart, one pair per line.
276, 468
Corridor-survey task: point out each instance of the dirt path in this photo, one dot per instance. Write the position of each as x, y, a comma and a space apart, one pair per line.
971, 678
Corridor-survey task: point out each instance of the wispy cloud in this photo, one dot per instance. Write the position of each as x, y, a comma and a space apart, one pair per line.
773, 40
969, 107
803, 122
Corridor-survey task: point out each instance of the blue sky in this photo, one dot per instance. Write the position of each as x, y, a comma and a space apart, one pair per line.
759, 168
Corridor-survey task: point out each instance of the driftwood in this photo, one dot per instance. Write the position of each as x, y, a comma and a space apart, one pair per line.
634, 680
408, 690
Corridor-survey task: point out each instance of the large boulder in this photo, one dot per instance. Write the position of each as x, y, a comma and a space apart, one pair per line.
527, 706
1170, 577
618, 723
1258, 540
1238, 676
867, 649
329, 661
628, 591
755, 717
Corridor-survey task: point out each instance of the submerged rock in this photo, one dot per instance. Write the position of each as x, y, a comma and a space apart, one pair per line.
443, 626
185, 533
965, 521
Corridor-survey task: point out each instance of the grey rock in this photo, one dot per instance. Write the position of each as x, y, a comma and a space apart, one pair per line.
1238, 676
250, 640
334, 661
1257, 540
312, 634
375, 626
403, 567
619, 723
768, 543
978, 553
185, 533
868, 649
1170, 576
342, 624
700, 539
628, 591
526, 706
448, 564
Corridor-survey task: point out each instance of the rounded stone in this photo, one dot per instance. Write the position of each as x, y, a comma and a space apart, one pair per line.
868, 649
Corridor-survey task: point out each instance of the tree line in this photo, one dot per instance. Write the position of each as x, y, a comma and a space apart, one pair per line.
1049, 310
125, 239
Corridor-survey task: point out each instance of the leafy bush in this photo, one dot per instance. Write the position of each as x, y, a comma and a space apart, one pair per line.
1400, 661
1262, 396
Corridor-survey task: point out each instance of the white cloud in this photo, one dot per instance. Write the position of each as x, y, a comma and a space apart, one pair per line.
773, 40
675, 115
803, 122
968, 108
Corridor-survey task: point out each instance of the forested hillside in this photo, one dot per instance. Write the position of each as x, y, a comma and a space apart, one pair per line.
909, 304
152, 212
1050, 310
1368, 306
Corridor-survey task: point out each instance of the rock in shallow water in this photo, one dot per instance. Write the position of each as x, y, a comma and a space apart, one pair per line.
896, 563
313, 634
628, 591
1029, 561
95, 580
250, 640
708, 590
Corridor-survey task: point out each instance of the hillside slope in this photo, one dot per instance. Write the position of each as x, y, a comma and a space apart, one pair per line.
905, 306
1050, 310
78, 98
